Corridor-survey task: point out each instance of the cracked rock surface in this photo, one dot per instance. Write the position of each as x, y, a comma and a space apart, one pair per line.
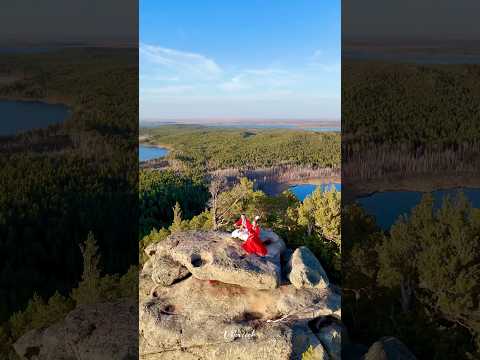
233, 306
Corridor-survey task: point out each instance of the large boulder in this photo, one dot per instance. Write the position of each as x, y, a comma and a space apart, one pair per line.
216, 256
332, 334
232, 307
97, 332
274, 243
215, 320
305, 271
331, 338
388, 348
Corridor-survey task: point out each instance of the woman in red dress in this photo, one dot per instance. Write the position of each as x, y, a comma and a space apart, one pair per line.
254, 245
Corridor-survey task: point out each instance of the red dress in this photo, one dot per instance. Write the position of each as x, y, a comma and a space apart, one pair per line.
241, 222
254, 245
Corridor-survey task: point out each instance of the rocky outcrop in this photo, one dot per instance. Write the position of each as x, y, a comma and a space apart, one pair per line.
216, 256
96, 332
305, 271
234, 306
201, 297
388, 348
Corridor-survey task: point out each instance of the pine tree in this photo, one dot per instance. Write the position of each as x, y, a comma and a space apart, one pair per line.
89, 288
177, 218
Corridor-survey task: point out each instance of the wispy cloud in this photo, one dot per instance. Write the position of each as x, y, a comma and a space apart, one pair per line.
181, 62
328, 68
168, 90
264, 79
320, 60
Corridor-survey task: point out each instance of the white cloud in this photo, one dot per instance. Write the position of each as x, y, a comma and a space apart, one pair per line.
167, 90
180, 62
319, 60
329, 68
260, 79
234, 84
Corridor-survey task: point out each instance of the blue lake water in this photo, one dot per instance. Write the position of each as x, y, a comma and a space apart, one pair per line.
301, 191
20, 116
151, 152
387, 206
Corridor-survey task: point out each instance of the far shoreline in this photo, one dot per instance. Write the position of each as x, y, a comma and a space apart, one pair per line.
48, 100
423, 183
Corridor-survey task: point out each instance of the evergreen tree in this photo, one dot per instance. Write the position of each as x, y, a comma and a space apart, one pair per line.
177, 218
88, 290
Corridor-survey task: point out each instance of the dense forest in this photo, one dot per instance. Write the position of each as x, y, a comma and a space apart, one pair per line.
409, 118
430, 104
61, 183
213, 148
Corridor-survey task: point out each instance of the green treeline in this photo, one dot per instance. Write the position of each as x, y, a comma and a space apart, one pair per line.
418, 282
217, 148
159, 191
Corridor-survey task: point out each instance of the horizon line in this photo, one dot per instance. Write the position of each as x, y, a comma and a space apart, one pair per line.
239, 119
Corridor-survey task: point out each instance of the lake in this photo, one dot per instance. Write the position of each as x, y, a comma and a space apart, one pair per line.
301, 191
20, 116
388, 206
151, 152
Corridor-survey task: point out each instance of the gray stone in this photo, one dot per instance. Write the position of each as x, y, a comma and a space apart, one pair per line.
274, 244
305, 271
331, 338
166, 270
97, 332
388, 348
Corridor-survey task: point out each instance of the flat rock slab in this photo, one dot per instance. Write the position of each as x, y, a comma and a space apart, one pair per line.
210, 255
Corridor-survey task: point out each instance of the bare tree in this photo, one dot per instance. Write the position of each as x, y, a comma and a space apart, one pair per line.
226, 202
217, 185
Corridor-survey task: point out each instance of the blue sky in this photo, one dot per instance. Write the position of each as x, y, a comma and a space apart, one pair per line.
240, 59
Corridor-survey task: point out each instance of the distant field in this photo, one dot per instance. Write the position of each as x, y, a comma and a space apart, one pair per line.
249, 123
